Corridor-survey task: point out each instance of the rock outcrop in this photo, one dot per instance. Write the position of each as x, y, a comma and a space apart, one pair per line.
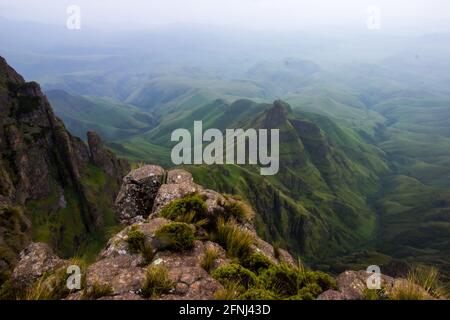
123, 269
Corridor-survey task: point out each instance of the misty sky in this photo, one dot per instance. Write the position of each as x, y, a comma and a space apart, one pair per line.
405, 16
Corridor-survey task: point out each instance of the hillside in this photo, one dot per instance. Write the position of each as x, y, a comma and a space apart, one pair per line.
53, 187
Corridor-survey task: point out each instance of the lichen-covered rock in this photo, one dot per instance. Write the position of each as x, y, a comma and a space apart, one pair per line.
352, 284
178, 176
122, 274
118, 245
191, 281
331, 295
35, 260
137, 194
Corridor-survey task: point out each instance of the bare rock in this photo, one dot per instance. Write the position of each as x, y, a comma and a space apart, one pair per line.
331, 295
179, 176
35, 260
352, 284
138, 192
191, 281
122, 273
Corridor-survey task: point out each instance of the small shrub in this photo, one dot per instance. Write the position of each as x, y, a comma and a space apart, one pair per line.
233, 273
296, 282
175, 236
235, 239
97, 291
282, 280
156, 282
323, 280
189, 209
136, 240
210, 257
257, 262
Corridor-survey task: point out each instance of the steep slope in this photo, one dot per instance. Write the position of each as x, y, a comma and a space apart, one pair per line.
318, 205
65, 187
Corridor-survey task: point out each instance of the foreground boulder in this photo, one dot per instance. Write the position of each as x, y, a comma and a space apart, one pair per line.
137, 194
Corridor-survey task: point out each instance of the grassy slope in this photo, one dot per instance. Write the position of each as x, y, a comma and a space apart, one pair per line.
320, 196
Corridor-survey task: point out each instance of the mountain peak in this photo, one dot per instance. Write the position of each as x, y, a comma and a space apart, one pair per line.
277, 114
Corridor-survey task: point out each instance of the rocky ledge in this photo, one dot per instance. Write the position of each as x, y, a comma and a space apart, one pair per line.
181, 241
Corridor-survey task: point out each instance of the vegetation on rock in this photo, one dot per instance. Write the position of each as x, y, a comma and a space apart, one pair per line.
176, 236
157, 282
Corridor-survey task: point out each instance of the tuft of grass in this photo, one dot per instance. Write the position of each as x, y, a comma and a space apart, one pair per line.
156, 282
97, 291
231, 292
407, 290
209, 258
429, 279
137, 242
234, 238
233, 273
422, 283
237, 209
189, 209
176, 236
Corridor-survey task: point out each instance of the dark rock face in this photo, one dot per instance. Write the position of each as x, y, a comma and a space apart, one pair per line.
138, 192
105, 159
40, 160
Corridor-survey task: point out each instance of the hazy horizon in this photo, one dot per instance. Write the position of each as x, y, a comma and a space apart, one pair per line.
415, 17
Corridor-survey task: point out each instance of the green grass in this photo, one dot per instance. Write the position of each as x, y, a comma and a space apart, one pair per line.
176, 236
209, 258
236, 240
156, 282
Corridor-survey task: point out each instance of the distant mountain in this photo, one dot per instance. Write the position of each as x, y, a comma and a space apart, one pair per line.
317, 205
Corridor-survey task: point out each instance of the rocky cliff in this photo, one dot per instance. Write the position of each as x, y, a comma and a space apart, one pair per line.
53, 176
182, 241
